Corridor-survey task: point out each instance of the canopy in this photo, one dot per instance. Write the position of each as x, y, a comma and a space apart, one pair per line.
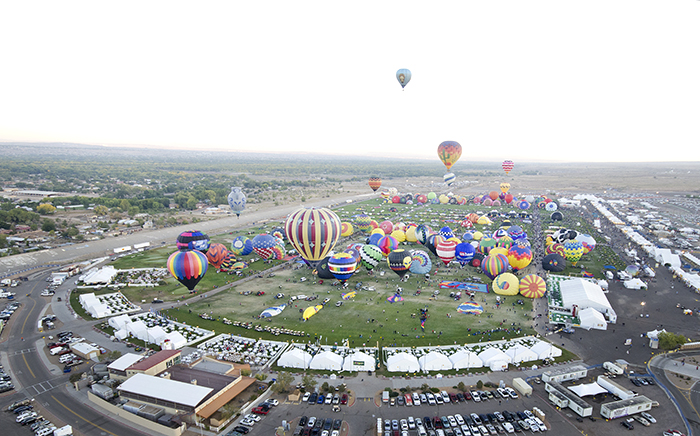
402, 362
587, 389
635, 284
156, 335
584, 294
519, 353
592, 319
359, 361
326, 360
465, 359
118, 322
295, 358
493, 354
434, 361
175, 339
545, 350
138, 330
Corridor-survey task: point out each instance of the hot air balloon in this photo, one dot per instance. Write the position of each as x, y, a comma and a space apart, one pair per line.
313, 232
556, 216
551, 206
217, 254
449, 178
420, 262
263, 245
477, 260
470, 308
272, 311
399, 235
342, 266
375, 183
486, 244
464, 252
506, 284
403, 76
370, 255
242, 246
188, 267
494, 265
523, 205
236, 199
411, 234
588, 242
363, 222
399, 261
449, 152
322, 269
446, 250
311, 311
346, 229
555, 248
504, 188
387, 227
192, 240
507, 165
519, 256
374, 238
387, 244
532, 286
422, 233
554, 262
573, 250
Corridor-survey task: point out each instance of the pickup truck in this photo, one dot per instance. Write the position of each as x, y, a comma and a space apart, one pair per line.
260, 410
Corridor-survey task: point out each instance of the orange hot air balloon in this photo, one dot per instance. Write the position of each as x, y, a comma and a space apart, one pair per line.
449, 153
375, 183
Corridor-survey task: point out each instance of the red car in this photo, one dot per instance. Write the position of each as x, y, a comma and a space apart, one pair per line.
260, 411
344, 399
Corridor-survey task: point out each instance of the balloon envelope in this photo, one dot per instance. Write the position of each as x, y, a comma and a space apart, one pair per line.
532, 286
236, 200
342, 265
420, 262
242, 246
322, 269
263, 245
554, 262
464, 252
216, 255
506, 284
346, 229
449, 152
311, 311
188, 267
399, 261
375, 183
573, 250
470, 308
193, 240
519, 256
494, 265
313, 232
507, 165
403, 76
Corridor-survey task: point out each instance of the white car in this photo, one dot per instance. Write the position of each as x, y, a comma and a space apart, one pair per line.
539, 423
272, 402
423, 398
404, 424
247, 422
252, 417
648, 417
445, 396
459, 419
306, 397
476, 397
431, 399
329, 399
411, 423
453, 421
508, 427
416, 399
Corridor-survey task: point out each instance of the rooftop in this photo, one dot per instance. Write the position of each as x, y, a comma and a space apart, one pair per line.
167, 390
124, 362
153, 360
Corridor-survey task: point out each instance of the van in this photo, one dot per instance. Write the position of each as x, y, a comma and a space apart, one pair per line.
385, 397
57, 350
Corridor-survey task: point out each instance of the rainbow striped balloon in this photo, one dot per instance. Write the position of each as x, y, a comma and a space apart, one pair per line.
313, 232
188, 267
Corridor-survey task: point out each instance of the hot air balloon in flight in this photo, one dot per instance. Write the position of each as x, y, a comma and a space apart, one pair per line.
375, 183
505, 187
403, 76
188, 267
313, 232
449, 153
449, 178
507, 165
236, 199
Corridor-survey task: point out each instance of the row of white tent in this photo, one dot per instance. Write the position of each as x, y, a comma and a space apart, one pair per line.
124, 327
494, 358
93, 306
327, 360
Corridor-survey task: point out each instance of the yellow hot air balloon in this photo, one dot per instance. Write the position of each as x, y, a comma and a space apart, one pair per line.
505, 187
449, 153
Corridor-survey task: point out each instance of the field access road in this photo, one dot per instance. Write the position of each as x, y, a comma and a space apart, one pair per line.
688, 397
105, 247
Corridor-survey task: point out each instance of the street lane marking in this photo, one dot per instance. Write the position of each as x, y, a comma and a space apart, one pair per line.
89, 422
27, 363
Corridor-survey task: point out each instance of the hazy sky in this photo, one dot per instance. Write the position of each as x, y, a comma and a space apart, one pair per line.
609, 80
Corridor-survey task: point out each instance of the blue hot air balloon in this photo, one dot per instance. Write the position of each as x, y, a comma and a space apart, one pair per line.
403, 76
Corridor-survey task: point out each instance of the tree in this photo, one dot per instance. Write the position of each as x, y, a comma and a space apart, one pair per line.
101, 210
48, 225
245, 372
75, 377
124, 205
284, 381
461, 386
309, 381
670, 341
45, 209
479, 384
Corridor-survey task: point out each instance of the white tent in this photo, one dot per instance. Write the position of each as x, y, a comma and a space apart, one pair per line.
99, 310
666, 257
359, 361
118, 322
635, 284
465, 359
434, 361
518, 353
121, 334
138, 329
326, 360
175, 339
295, 358
498, 365
493, 354
87, 300
587, 389
156, 334
583, 294
592, 319
545, 350
402, 362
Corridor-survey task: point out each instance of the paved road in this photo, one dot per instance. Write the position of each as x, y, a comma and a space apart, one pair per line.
104, 247
688, 397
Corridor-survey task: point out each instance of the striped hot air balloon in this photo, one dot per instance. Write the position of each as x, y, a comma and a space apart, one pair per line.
188, 267
532, 286
313, 232
375, 183
507, 166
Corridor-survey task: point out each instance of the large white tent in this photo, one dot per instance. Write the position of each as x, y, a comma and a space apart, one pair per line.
583, 295
493, 354
635, 284
402, 362
138, 329
99, 310
359, 361
545, 350
584, 390
156, 334
295, 358
173, 341
465, 359
118, 322
519, 353
592, 319
326, 360
434, 361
